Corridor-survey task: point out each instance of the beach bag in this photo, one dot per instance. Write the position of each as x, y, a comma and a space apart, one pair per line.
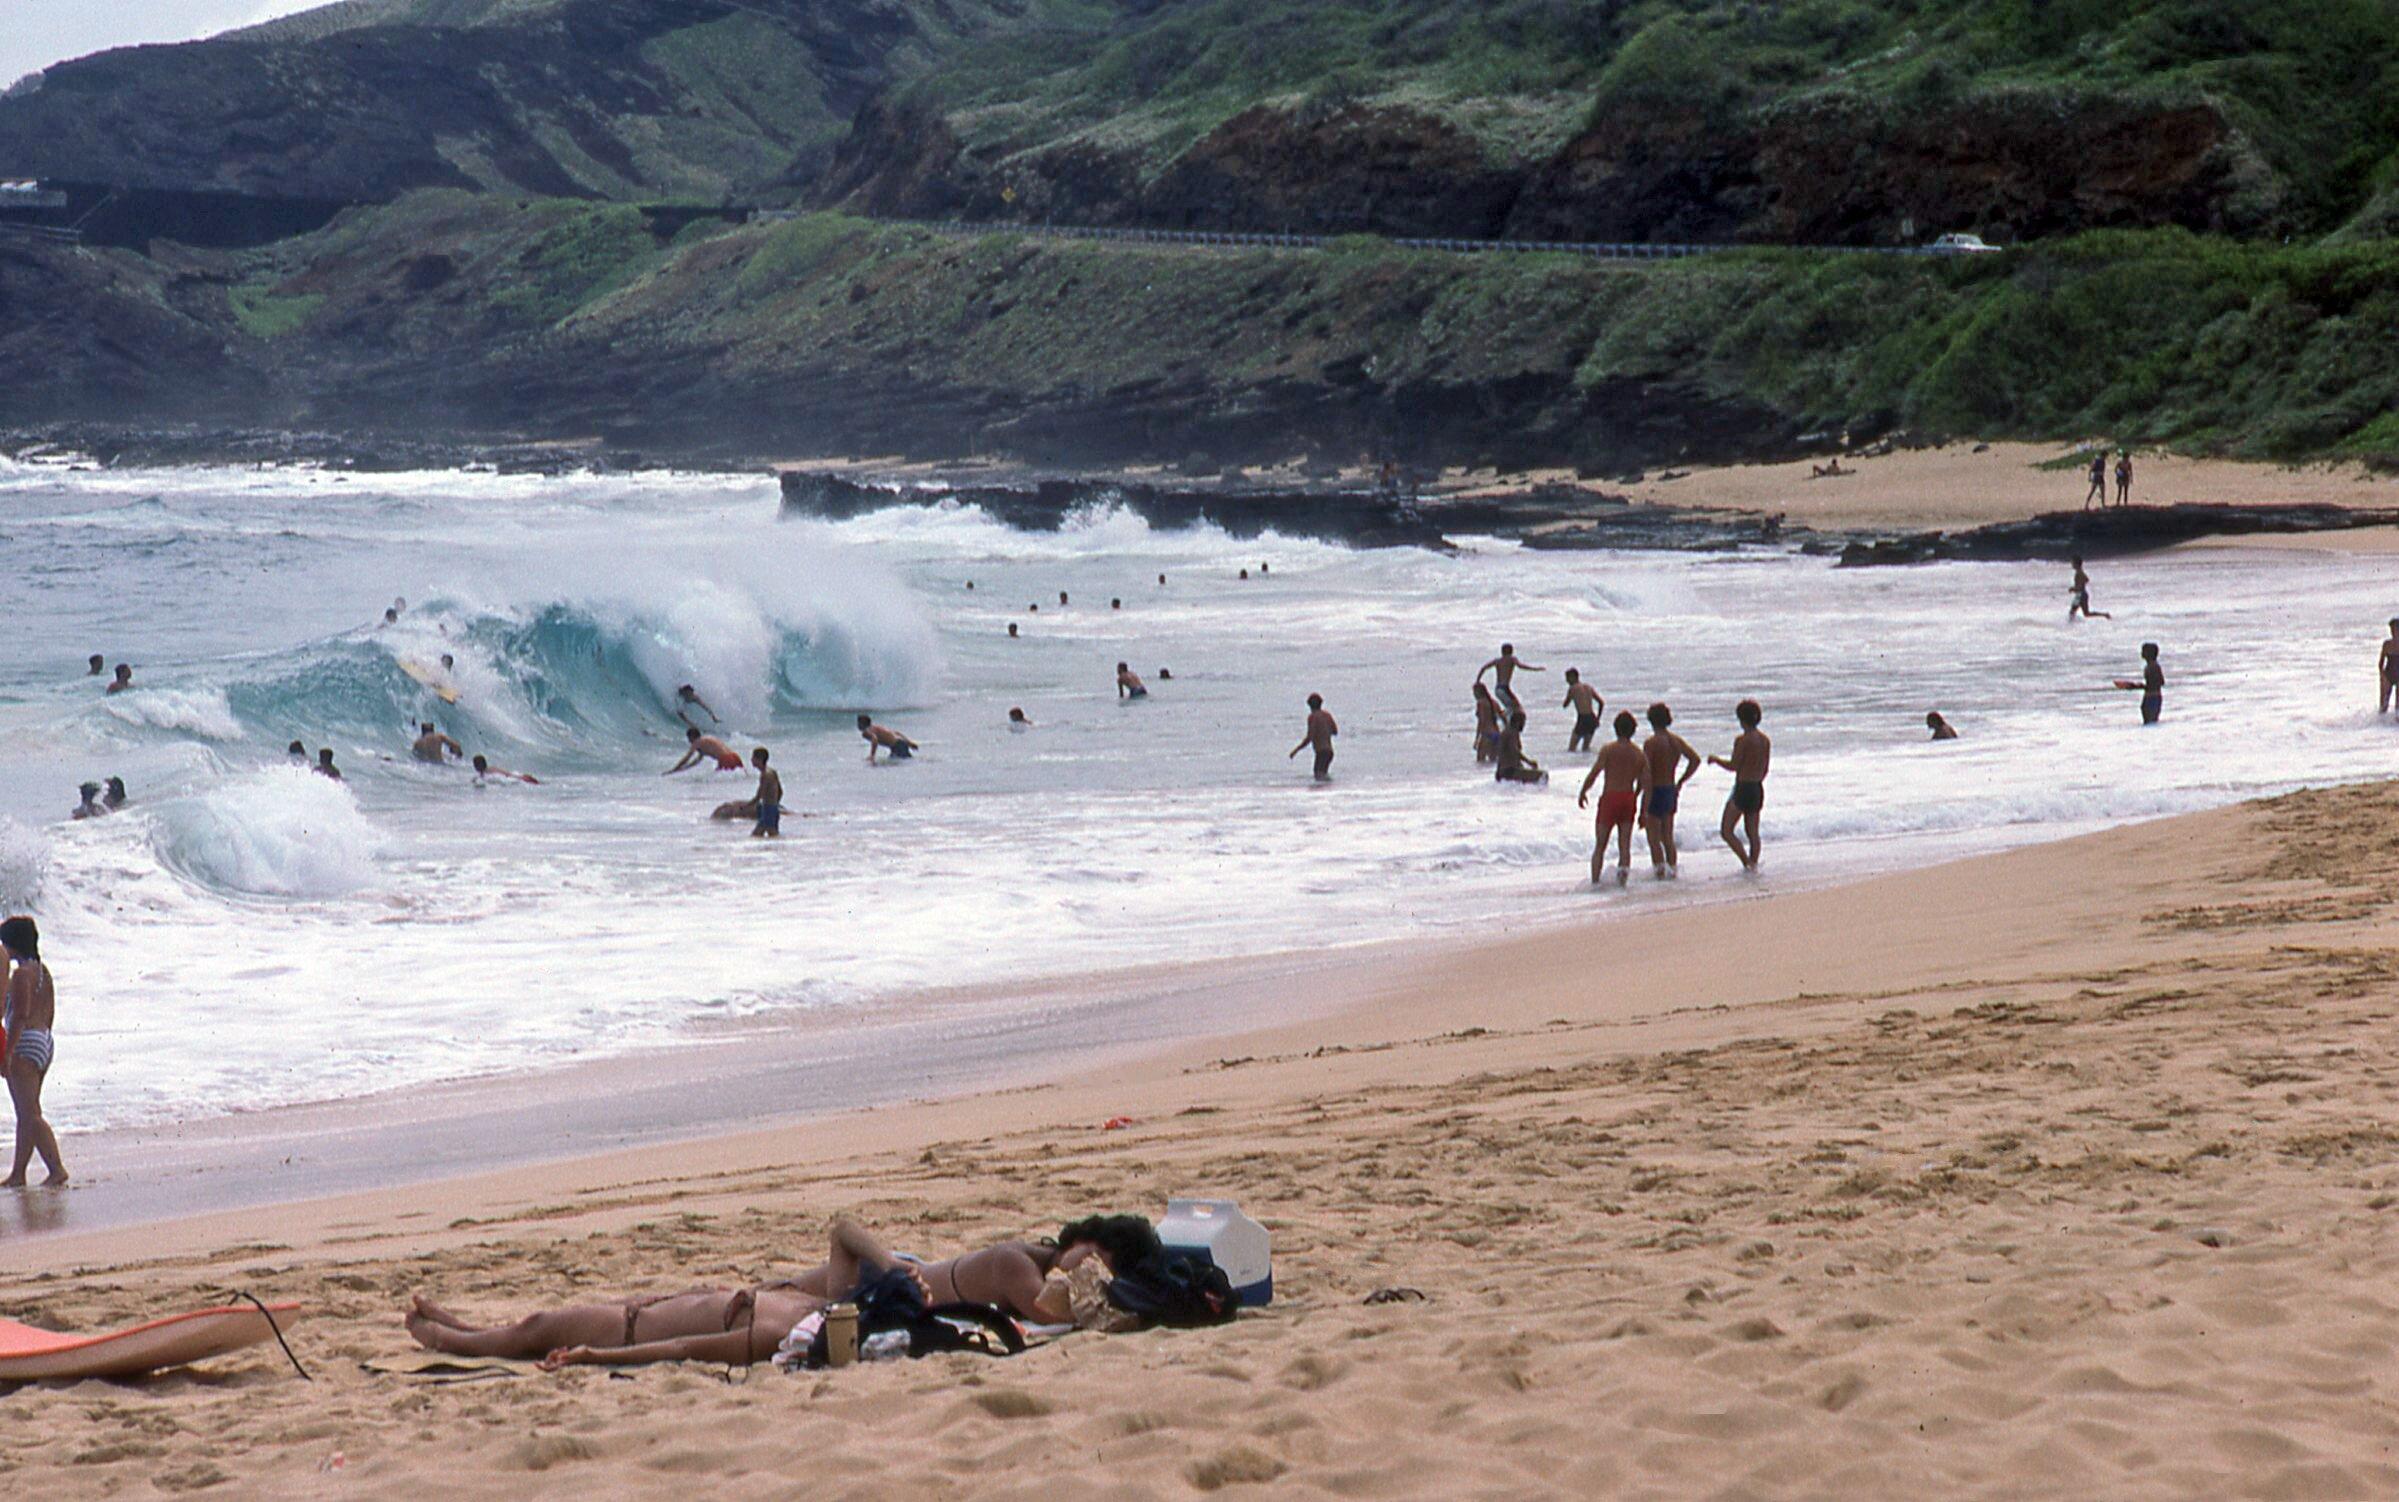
892, 1301
1087, 1299
1175, 1290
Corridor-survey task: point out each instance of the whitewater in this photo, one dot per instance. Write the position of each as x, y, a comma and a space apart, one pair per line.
246, 934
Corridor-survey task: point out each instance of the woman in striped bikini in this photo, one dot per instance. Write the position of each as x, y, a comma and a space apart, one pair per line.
32, 1008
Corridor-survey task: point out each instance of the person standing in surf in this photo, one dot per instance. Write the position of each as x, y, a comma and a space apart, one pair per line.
2386, 666
882, 738
434, 747
1587, 705
1320, 733
1129, 684
1752, 753
1666, 752
1626, 772
1486, 726
2152, 684
769, 799
30, 1014
1503, 670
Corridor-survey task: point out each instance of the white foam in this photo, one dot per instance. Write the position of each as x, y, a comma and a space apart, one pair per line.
276, 832
24, 866
200, 712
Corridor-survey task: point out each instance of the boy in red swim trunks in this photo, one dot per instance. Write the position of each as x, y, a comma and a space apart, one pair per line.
1626, 772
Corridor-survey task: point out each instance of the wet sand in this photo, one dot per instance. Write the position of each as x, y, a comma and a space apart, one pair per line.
2059, 1172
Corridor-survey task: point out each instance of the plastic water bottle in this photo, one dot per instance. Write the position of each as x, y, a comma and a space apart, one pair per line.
1217, 1231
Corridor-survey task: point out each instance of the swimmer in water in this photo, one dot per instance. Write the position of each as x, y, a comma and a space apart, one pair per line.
699, 748
687, 699
1017, 720
1626, 774
1319, 733
1514, 765
1503, 670
432, 746
485, 771
879, 738
1942, 730
1666, 752
1164, 676
297, 751
769, 799
1012, 630
1752, 753
123, 680
90, 807
99, 665
114, 798
325, 766
1129, 684
1587, 705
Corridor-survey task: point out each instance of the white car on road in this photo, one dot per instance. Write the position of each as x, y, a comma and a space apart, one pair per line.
1962, 245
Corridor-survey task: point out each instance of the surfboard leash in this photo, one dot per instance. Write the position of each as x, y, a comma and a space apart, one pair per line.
272, 1324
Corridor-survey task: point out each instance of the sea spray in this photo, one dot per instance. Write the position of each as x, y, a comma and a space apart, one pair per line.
277, 832
24, 866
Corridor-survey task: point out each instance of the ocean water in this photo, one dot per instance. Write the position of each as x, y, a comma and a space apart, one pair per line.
247, 934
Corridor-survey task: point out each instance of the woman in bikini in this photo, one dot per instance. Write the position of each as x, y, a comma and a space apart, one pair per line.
741, 1325
31, 1010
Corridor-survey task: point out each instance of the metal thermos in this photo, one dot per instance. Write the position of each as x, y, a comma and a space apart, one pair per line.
841, 1334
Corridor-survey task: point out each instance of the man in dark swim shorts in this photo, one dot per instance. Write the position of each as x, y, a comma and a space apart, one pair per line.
770, 799
1586, 703
1752, 753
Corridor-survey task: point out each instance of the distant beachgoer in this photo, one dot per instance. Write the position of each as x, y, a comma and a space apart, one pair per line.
1165, 676
1320, 733
1666, 752
124, 679
687, 699
1514, 765
2124, 478
432, 746
1245, 573
1264, 570
970, 586
1161, 578
90, 807
1627, 776
1942, 730
99, 665
1116, 602
2098, 490
1012, 629
1129, 684
1752, 754
1035, 607
2152, 684
769, 798
391, 617
1487, 721
1503, 670
879, 738
484, 770
297, 751
1017, 720
29, 1018
698, 748
1062, 597
448, 663
2080, 590
2386, 667
114, 799
1587, 705
325, 766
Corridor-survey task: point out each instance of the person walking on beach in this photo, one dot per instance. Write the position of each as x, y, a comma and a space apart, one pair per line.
1129, 684
1503, 670
432, 746
1942, 730
1514, 765
2386, 667
1320, 733
879, 738
30, 1013
699, 748
1667, 753
2152, 684
769, 799
1626, 774
2080, 590
2124, 478
1586, 703
1486, 726
2098, 490
1752, 752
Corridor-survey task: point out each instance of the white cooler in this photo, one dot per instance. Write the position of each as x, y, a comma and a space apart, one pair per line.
1219, 1232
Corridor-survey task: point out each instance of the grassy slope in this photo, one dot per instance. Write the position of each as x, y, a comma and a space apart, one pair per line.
2313, 84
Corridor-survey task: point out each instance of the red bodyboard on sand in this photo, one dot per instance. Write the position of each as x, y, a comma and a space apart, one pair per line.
31, 1355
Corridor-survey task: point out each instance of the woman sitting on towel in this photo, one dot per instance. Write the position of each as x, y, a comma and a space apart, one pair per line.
742, 1325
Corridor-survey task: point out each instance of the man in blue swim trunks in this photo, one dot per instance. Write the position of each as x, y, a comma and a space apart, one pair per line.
770, 799
1666, 752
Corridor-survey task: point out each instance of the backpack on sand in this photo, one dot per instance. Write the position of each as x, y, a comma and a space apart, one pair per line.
1174, 1290
893, 1300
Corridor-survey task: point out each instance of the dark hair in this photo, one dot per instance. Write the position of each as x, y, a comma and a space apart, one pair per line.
1932, 717
1625, 723
1506, 647
21, 937
1125, 1240
448, 661
865, 720
684, 690
1660, 715
1316, 701
97, 659
1748, 713
325, 754
691, 732
1516, 720
124, 670
116, 785
758, 756
425, 726
1062, 597
1016, 714
296, 748
1120, 667
1572, 675
480, 763
2149, 649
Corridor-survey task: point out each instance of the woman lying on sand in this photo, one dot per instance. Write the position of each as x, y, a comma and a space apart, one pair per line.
742, 1325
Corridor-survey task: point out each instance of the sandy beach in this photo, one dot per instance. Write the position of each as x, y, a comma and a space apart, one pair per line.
2055, 1171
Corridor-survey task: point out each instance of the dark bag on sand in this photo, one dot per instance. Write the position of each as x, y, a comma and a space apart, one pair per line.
1175, 1290
893, 1300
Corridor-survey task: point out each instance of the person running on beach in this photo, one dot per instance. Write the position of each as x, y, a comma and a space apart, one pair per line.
325, 766
688, 699
1942, 730
1486, 726
30, 1014
880, 738
1514, 765
2152, 684
2386, 667
90, 807
1752, 752
1320, 733
699, 748
2124, 478
432, 746
99, 665
1129, 684
1666, 752
769, 799
484, 771
1626, 774
1503, 670
2080, 603
1587, 705
2098, 490
123, 680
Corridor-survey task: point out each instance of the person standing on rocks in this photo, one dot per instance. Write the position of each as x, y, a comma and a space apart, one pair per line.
2098, 490
2124, 478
